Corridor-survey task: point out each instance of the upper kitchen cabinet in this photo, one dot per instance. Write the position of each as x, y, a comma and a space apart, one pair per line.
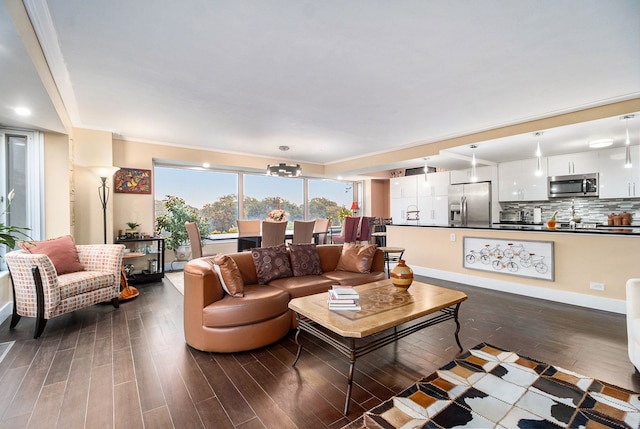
404, 187
575, 163
484, 174
517, 181
434, 184
616, 181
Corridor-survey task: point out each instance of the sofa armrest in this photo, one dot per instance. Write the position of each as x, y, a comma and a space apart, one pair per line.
20, 265
201, 283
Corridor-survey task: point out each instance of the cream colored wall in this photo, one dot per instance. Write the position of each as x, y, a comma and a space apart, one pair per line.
579, 258
91, 148
57, 186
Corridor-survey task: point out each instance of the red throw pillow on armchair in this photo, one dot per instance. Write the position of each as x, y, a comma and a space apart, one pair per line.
62, 252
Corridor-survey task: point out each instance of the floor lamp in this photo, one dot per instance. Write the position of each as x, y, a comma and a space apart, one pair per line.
103, 193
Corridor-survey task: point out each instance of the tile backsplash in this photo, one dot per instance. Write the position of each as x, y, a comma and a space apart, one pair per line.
589, 209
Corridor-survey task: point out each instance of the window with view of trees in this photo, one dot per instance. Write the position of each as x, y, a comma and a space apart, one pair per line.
216, 195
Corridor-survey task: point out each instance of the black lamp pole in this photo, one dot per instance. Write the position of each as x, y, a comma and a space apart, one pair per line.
103, 193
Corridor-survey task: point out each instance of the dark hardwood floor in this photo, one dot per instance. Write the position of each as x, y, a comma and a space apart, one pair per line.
130, 368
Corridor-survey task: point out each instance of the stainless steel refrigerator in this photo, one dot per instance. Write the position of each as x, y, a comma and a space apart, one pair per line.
470, 204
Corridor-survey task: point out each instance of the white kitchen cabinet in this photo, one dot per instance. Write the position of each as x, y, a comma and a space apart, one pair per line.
574, 163
616, 181
484, 174
404, 187
517, 181
436, 184
434, 210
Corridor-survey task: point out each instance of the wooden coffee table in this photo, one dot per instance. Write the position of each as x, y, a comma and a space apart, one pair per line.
384, 307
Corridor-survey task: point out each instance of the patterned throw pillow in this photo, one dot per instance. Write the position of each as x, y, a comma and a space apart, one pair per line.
305, 260
271, 263
229, 275
356, 258
62, 252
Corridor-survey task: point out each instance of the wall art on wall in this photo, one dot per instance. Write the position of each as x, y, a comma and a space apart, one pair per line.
132, 181
526, 258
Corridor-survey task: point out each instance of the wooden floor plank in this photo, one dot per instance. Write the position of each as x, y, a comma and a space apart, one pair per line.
127, 411
102, 367
100, 406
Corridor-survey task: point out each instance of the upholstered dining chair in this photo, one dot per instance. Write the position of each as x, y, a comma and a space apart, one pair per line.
44, 291
350, 233
321, 227
303, 231
247, 228
273, 233
194, 238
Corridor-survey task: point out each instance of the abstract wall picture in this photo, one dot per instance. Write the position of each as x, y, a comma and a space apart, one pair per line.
132, 181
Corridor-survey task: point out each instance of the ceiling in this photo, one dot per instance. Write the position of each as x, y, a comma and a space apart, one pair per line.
332, 80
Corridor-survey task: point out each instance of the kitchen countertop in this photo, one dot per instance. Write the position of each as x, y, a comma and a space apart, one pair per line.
600, 229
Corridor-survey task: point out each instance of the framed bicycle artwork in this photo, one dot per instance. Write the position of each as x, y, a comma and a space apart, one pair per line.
525, 258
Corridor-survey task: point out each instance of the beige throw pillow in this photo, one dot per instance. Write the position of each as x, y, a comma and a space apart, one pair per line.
229, 274
356, 258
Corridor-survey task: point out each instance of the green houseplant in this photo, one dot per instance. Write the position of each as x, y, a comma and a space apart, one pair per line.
171, 223
10, 234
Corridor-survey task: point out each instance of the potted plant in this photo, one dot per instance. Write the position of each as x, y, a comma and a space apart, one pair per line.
171, 225
9, 234
344, 212
131, 232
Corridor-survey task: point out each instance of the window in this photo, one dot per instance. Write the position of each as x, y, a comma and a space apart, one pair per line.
223, 197
328, 197
21, 170
265, 193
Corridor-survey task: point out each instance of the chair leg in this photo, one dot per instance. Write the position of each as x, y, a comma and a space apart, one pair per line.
40, 324
40, 320
115, 302
15, 317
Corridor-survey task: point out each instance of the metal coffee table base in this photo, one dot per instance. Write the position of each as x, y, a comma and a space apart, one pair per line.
349, 348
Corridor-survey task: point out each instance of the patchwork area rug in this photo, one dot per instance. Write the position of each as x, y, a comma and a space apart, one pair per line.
177, 280
488, 387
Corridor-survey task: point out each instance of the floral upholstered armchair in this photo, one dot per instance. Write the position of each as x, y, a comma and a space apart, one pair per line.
44, 290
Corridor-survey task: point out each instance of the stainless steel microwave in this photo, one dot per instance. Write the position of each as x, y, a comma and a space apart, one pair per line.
575, 185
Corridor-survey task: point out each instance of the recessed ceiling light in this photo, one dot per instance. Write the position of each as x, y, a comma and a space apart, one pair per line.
206, 165
22, 111
597, 144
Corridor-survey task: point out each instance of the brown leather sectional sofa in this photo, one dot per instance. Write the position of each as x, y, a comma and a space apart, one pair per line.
215, 321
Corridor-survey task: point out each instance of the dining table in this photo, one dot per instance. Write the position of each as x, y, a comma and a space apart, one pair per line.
249, 241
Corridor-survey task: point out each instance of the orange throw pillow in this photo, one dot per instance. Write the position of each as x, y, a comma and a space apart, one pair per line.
356, 258
229, 274
62, 252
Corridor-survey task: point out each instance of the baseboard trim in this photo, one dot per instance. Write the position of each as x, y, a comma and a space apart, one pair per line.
6, 311
572, 298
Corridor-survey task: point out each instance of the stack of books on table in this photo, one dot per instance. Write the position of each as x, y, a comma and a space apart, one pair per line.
344, 298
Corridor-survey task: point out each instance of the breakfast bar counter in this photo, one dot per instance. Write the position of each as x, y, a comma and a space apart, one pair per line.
590, 265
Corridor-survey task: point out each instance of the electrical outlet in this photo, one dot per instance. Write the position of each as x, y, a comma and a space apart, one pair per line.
452, 237
596, 286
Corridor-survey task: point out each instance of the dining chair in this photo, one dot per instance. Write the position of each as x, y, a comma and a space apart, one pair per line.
247, 228
365, 228
196, 241
303, 231
273, 233
350, 230
321, 227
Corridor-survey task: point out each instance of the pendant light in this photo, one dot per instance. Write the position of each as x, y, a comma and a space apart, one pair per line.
474, 173
426, 172
538, 171
282, 169
627, 143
